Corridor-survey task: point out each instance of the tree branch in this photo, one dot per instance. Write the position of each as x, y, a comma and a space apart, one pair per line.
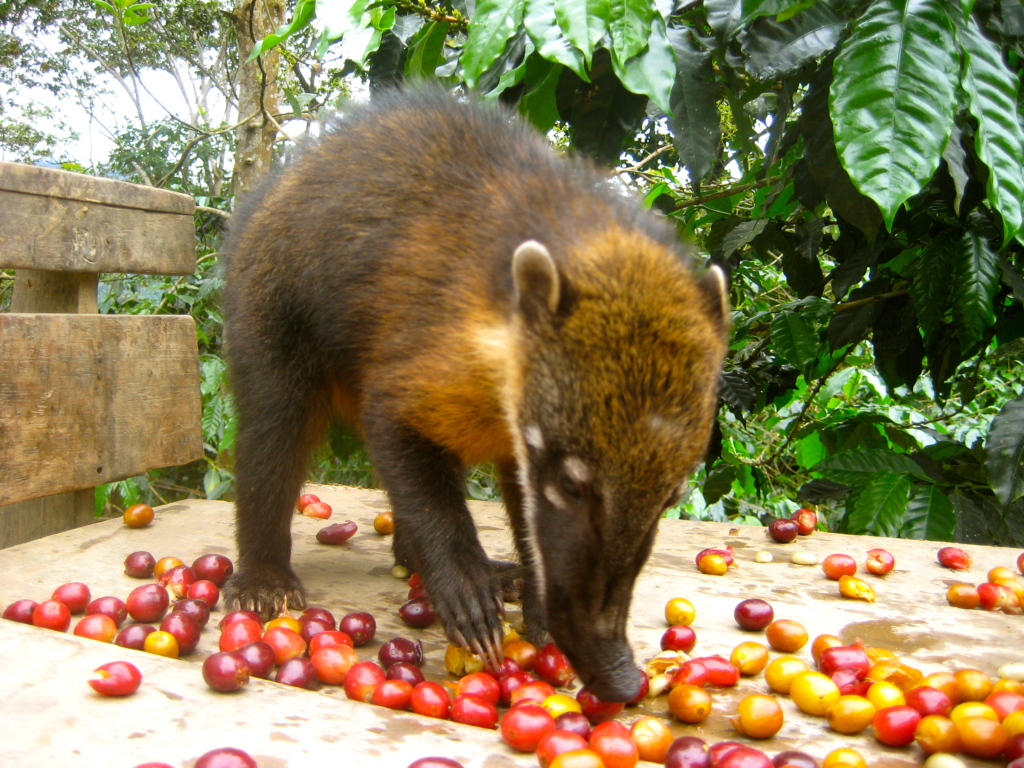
217, 211
420, 8
728, 192
869, 300
799, 420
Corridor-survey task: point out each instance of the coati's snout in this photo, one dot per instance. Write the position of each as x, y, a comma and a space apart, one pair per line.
589, 555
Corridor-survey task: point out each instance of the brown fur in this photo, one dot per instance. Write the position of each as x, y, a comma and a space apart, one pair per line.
373, 281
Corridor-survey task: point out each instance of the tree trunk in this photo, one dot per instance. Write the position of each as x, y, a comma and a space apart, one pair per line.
258, 91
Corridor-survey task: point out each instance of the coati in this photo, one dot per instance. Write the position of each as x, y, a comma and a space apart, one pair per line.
430, 271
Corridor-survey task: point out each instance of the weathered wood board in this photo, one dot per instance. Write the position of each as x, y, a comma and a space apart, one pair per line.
89, 399
56, 220
52, 717
35, 518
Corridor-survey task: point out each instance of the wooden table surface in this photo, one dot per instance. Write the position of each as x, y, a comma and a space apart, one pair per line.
50, 716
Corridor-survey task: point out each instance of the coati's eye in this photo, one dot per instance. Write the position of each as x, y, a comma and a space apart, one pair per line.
569, 487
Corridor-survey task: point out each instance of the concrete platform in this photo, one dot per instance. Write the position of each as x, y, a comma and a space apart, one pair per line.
50, 716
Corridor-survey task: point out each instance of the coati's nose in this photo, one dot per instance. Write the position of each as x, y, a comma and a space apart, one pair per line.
613, 676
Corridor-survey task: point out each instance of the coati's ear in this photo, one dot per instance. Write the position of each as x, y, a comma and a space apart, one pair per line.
538, 288
714, 285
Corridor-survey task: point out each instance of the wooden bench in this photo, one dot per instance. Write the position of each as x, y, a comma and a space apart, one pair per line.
85, 398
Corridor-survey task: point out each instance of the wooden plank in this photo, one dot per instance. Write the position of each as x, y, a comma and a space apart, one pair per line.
25, 521
52, 233
90, 399
63, 292
291, 727
37, 290
53, 182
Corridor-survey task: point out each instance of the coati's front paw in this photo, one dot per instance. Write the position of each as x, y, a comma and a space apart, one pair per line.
467, 601
264, 588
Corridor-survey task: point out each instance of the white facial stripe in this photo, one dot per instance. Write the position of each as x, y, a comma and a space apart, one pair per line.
533, 437
551, 494
576, 469
511, 393
530, 517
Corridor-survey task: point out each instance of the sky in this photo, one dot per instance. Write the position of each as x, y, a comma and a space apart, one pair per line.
94, 143
117, 109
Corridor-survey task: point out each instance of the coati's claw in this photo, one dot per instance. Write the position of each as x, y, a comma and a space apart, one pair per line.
265, 589
499, 654
501, 611
458, 639
477, 648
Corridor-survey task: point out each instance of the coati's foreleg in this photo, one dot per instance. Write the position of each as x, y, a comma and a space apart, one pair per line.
534, 616
281, 418
434, 531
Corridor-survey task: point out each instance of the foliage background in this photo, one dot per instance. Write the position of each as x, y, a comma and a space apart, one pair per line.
857, 167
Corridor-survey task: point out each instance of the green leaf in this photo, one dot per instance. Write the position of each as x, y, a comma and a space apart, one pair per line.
629, 22
344, 441
303, 14
425, 49
930, 515
213, 420
494, 22
101, 496
357, 44
718, 483
793, 339
659, 189
751, 9
798, 7
383, 18
809, 450
975, 281
741, 234
407, 26
878, 507
583, 22
508, 69
931, 288
1004, 452
992, 90
128, 490
725, 17
956, 164
695, 117
537, 103
800, 260
893, 99
540, 23
653, 71
111, 9
823, 163
777, 49
340, 16
856, 466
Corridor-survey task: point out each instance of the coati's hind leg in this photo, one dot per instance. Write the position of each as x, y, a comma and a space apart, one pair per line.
435, 532
511, 579
282, 415
534, 614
